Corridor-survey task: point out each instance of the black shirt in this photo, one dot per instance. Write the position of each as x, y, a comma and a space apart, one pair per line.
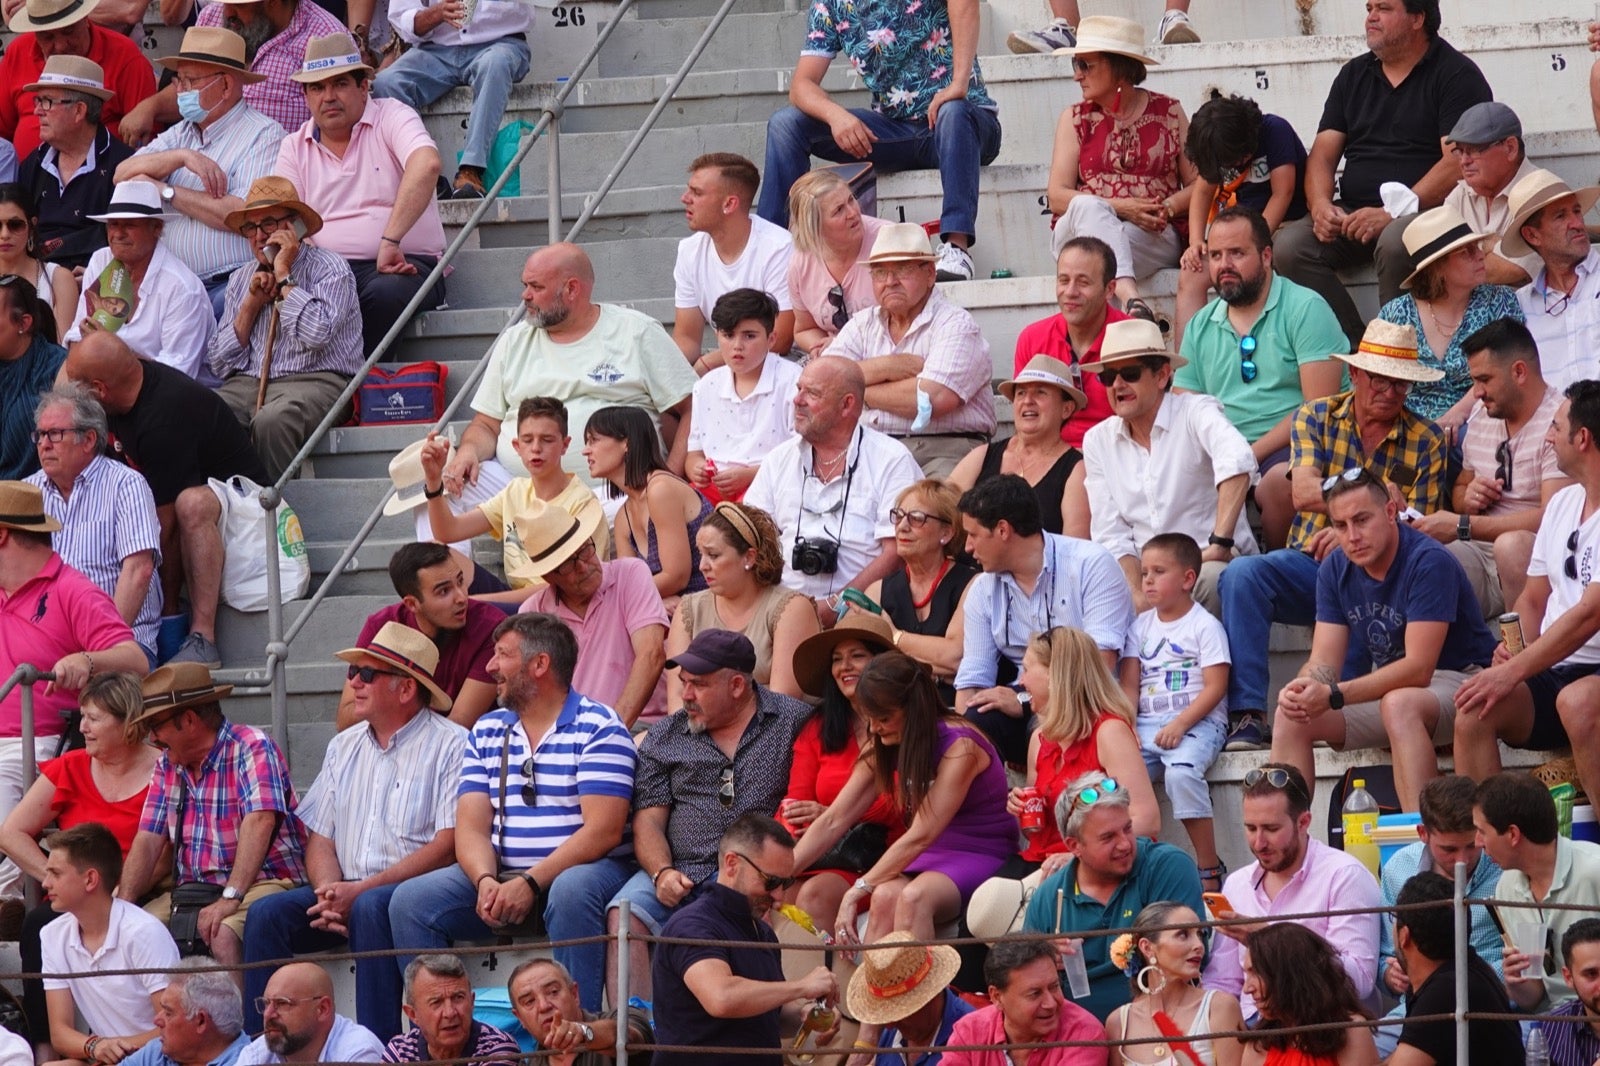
1491, 1041
1392, 132
67, 235
716, 916
179, 433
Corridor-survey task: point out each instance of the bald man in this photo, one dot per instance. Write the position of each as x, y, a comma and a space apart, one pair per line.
586, 355
178, 434
299, 1023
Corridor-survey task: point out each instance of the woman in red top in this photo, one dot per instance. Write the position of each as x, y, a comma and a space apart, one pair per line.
827, 666
1296, 979
1085, 723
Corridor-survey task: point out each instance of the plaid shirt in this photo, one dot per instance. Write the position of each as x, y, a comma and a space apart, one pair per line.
244, 773
1325, 436
278, 98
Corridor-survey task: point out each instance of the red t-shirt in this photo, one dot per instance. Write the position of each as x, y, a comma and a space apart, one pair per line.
1056, 768
463, 656
128, 74
78, 800
1048, 336
820, 777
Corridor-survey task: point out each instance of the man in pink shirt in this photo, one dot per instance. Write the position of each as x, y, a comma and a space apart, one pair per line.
612, 607
1026, 1008
369, 168
56, 619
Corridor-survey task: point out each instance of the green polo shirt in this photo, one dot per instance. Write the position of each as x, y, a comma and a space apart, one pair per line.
1576, 881
1296, 327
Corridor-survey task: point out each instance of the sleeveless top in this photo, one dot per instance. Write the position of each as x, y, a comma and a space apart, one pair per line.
972, 830
1293, 1056
651, 552
896, 596
699, 611
1049, 488
1056, 768
1137, 160
1199, 1024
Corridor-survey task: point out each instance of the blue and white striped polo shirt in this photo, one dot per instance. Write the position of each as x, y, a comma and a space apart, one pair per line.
588, 752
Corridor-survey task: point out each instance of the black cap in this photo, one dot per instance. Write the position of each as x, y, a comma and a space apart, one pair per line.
717, 649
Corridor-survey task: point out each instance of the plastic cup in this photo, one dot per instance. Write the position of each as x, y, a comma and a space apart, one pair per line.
1528, 935
1077, 972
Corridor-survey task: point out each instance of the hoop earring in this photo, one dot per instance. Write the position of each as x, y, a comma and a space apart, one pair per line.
1142, 980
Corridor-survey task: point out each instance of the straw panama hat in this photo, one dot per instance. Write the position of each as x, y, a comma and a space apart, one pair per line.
405, 471
1108, 33
550, 535
1536, 189
894, 982
50, 15
328, 57
273, 191
213, 46
401, 646
1048, 370
998, 906
22, 507
1390, 351
175, 686
135, 199
901, 242
1434, 234
1132, 338
74, 74
813, 659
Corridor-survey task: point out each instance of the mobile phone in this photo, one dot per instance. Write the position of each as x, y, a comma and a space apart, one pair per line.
271, 250
1217, 902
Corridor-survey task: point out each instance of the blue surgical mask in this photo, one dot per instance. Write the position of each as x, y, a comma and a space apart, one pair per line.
190, 107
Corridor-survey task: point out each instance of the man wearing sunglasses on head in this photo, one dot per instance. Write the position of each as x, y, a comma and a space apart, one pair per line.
382, 809
1163, 463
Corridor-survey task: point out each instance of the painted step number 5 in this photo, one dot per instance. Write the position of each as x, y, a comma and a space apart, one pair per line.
568, 16
1558, 61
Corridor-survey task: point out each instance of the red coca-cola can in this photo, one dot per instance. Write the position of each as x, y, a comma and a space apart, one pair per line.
1032, 819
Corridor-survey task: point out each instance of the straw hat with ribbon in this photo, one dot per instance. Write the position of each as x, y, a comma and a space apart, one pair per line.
1534, 190
901, 242
213, 46
50, 15
272, 191
1048, 370
1132, 338
1433, 235
813, 659
1390, 351
74, 74
175, 686
550, 535
407, 650
894, 982
22, 507
328, 57
1108, 33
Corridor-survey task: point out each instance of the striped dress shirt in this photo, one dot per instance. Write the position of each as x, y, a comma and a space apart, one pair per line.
379, 805
319, 325
588, 752
244, 143
109, 516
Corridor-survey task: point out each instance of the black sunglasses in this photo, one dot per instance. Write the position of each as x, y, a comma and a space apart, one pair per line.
1502, 469
530, 791
1247, 358
725, 792
1572, 556
768, 881
367, 673
840, 315
1131, 373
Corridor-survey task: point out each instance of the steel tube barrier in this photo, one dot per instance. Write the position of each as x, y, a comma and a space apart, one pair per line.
1458, 896
27, 675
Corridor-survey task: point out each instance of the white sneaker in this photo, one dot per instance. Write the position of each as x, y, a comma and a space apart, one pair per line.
1056, 35
954, 263
1177, 29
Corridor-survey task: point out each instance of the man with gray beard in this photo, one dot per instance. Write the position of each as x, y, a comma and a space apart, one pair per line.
300, 1025
585, 354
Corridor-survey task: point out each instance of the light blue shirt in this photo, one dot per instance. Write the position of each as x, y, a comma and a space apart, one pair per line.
347, 1042
152, 1054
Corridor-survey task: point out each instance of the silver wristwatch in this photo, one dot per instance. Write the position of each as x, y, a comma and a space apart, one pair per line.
229, 892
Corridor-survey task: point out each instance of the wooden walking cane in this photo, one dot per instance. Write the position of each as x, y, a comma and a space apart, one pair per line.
266, 357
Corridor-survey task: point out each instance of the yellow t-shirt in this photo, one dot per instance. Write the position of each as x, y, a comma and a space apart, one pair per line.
517, 498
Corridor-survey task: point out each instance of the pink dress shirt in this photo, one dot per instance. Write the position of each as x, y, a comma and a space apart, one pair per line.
987, 1026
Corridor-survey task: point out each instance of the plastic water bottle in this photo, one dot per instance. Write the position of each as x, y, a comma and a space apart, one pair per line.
1537, 1054
1360, 817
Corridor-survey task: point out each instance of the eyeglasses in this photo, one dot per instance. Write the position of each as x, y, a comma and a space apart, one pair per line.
1572, 556
1081, 66
1247, 358
1461, 151
530, 787
1553, 308
45, 103
367, 673
196, 83
1275, 777
282, 1003
836, 298
1503, 465
918, 519
569, 564
54, 436
14, 225
1131, 373
895, 270
768, 881
725, 792
266, 225
1380, 385
1093, 794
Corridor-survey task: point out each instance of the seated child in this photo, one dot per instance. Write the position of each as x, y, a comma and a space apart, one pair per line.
745, 408
1175, 667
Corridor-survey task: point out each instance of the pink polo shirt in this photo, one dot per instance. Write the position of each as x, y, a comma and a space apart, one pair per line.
53, 614
625, 603
355, 194
988, 1026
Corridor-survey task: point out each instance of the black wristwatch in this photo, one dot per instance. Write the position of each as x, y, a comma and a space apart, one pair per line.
1221, 542
1464, 527
1335, 697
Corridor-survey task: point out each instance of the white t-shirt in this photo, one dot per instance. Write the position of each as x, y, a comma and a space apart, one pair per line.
1550, 555
112, 1005
700, 277
734, 430
1172, 657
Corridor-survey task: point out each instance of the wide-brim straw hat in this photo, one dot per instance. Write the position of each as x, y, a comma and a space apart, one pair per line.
1108, 33
1129, 339
213, 46
1534, 190
1048, 370
1391, 351
1433, 235
406, 649
74, 74
550, 535
273, 191
329, 56
22, 507
998, 906
813, 659
901, 242
50, 15
894, 982
405, 470
135, 199
175, 686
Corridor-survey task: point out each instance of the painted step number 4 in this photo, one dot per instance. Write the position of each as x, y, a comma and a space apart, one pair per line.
568, 16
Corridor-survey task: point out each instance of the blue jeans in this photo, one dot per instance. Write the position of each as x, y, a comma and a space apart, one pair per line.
439, 907
428, 71
964, 138
279, 927
1256, 591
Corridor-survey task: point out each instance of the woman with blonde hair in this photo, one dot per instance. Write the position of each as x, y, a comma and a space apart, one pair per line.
1085, 724
1164, 966
828, 280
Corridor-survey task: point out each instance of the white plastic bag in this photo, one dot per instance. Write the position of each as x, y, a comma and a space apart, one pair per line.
244, 561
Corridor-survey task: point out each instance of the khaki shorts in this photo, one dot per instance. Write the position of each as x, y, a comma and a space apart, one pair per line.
1363, 722
1477, 562
161, 906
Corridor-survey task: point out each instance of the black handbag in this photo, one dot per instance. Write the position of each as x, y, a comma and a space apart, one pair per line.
190, 897
858, 851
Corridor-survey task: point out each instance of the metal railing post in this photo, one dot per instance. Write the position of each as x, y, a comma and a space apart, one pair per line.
624, 974
1463, 928
552, 149
277, 650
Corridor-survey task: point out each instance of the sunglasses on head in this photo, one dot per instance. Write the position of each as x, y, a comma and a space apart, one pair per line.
1274, 776
1247, 358
1356, 475
1093, 794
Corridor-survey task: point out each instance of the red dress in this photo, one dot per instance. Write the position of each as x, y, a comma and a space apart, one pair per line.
77, 800
1138, 160
820, 777
1056, 768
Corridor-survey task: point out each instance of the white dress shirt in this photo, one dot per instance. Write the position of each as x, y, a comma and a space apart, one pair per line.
1566, 329
171, 322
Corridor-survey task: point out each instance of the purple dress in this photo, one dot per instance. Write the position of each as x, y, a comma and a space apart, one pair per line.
981, 836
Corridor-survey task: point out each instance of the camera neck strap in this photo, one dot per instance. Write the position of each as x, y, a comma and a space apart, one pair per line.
844, 505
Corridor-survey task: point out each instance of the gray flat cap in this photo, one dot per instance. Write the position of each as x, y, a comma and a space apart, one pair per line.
1486, 123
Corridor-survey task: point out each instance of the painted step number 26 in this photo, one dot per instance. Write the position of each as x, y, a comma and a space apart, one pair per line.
568, 16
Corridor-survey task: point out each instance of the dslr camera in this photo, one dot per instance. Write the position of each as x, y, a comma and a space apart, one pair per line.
813, 556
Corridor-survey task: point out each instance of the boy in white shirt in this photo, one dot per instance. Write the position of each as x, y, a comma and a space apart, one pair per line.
744, 408
1175, 668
